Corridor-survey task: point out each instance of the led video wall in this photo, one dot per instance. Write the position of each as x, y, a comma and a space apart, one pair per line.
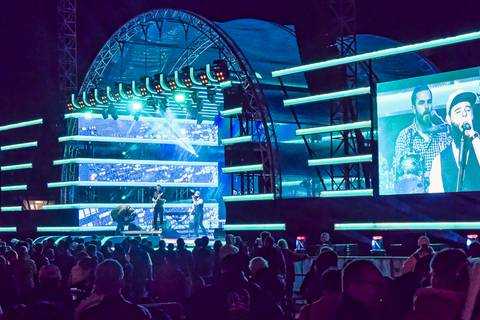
427, 133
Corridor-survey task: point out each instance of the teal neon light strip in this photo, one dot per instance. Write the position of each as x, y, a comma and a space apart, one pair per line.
76, 229
114, 205
327, 96
249, 197
247, 168
130, 140
19, 146
130, 161
10, 209
379, 54
231, 112
254, 227
339, 127
17, 167
137, 184
234, 140
81, 115
14, 188
347, 193
8, 229
455, 225
340, 160
21, 124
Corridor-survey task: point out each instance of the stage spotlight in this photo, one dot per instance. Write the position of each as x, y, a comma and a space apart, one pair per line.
69, 106
185, 77
143, 91
203, 78
220, 70
199, 119
199, 104
172, 84
194, 96
471, 238
135, 109
300, 244
81, 103
91, 99
179, 97
377, 245
211, 94
88, 115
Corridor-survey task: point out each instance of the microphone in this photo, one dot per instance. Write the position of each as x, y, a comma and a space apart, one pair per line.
466, 126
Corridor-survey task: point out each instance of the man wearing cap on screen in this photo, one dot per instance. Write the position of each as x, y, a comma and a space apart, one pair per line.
444, 176
423, 137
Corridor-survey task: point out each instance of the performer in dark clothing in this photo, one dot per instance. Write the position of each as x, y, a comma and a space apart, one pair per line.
158, 209
197, 211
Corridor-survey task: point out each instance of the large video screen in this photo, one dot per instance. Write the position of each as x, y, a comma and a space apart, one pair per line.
427, 133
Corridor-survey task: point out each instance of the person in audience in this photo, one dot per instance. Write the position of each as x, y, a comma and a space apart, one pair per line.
9, 295
273, 255
64, 259
93, 253
312, 287
184, 258
290, 258
474, 250
50, 288
81, 278
142, 269
228, 248
37, 255
170, 283
203, 259
24, 271
364, 288
233, 297
326, 307
445, 298
107, 301
419, 261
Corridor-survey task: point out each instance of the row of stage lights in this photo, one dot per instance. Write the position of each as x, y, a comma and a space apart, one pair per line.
182, 85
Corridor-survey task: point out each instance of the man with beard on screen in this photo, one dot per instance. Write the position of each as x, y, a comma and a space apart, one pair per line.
445, 175
419, 143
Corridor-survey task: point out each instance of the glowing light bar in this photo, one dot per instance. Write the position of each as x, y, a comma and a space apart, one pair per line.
14, 188
339, 127
21, 124
10, 209
254, 227
77, 115
8, 229
249, 197
231, 112
131, 161
379, 54
76, 229
326, 96
130, 140
127, 184
454, 225
347, 193
19, 146
114, 205
247, 168
340, 160
234, 140
17, 167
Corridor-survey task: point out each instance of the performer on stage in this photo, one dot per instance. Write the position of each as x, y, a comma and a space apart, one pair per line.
158, 209
197, 211
445, 175
422, 141
124, 215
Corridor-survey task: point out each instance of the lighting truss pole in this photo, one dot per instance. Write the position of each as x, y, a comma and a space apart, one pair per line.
67, 62
344, 110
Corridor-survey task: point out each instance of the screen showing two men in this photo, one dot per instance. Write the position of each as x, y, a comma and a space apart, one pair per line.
427, 133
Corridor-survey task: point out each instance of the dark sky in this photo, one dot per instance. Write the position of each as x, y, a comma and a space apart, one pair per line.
29, 69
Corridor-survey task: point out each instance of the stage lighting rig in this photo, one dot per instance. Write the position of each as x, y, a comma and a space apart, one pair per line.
172, 84
185, 77
220, 70
203, 78
105, 113
70, 106
135, 108
179, 97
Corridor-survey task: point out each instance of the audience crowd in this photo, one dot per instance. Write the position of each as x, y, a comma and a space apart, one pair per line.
136, 279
